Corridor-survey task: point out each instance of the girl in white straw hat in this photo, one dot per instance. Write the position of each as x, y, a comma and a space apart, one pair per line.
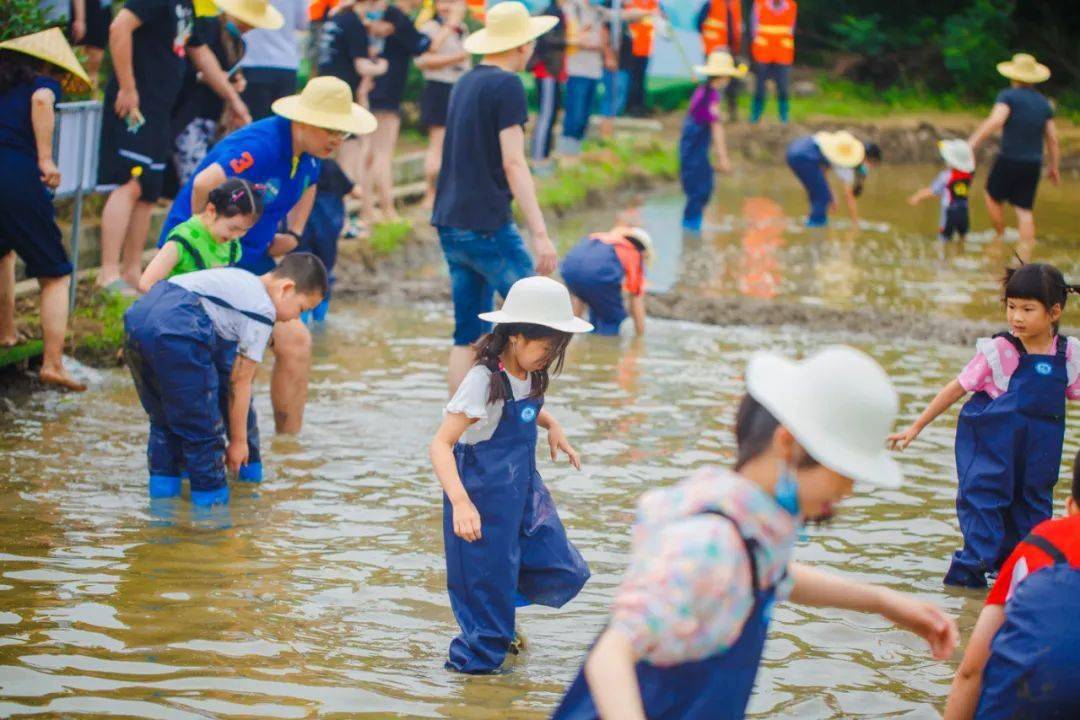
810, 156
1025, 119
953, 186
31, 70
704, 130
713, 554
505, 545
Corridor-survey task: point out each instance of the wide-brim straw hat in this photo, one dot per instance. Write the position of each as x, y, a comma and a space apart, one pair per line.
508, 26
957, 154
326, 102
52, 47
539, 300
839, 405
642, 236
841, 149
256, 13
721, 64
1024, 68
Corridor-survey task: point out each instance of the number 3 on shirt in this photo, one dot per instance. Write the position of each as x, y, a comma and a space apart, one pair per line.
242, 163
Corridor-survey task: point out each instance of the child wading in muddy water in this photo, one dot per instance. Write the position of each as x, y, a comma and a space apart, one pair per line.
1010, 433
953, 186
505, 545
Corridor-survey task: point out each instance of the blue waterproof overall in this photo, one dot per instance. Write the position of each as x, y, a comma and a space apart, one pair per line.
716, 688
320, 238
805, 159
695, 171
1008, 455
1034, 665
523, 555
181, 367
592, 272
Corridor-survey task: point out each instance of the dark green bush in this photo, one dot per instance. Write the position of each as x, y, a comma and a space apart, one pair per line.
21, 17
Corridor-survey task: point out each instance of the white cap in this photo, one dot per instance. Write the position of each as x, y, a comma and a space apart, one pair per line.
539, 300
839, 405
957, 154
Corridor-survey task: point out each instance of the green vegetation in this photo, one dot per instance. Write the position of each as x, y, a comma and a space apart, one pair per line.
103, 319
21, 17
24, 351
386, 237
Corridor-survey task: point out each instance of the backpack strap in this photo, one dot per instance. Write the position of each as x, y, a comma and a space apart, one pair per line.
246, 313
749, 545
1047, 547
182, 241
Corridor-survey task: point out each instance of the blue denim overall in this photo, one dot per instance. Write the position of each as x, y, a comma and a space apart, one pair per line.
715, 688
592, 272
806, 160
523, 555
1008, 455
695, 171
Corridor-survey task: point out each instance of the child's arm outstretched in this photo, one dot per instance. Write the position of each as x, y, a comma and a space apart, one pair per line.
941, 402
160, 267
557, 438
466, 516
243, 373
924, 194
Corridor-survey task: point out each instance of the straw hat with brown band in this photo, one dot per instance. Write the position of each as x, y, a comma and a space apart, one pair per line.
52, 47
721, 64
1024, 68
256, 13
326, 102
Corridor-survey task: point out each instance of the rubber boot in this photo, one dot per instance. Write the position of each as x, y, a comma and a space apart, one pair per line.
318, 314
164, 486
692, 225
757, 106
814, 223
785, 107
206, 498
252, 473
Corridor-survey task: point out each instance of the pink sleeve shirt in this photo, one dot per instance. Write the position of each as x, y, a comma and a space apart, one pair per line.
996, 360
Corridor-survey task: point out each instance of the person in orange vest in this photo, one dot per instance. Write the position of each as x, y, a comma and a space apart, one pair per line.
772, 24
641, 14
721, 27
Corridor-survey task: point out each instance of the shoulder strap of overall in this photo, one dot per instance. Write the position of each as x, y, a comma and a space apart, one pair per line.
1062, 346
1047, 547
748, 544
234, 252
182, 241
1014, 341
506, 384
246, 313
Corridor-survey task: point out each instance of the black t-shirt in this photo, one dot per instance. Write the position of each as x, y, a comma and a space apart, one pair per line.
196, 99
333, 180
473, 193
159, 52
405, 43
342, 40
1025, 128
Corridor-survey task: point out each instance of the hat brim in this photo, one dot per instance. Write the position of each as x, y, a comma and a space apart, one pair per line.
774, 382
271, 19
832, 152
963, 164
738, 71
576, 325
359, 122
77, 80
482, 42
1041, 74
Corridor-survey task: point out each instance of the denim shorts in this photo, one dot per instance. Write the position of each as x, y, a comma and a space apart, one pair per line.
481, 264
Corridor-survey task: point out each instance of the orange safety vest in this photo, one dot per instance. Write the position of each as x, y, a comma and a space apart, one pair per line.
319, 10
477, 8
774, 32
715, 33
642, 32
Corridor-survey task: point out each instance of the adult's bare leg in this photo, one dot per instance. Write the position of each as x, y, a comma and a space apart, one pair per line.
135, 242
384, 140
115, 218
1025, 222
54, 317
289, 379
433, 163
996, 213
8, 336
462, 358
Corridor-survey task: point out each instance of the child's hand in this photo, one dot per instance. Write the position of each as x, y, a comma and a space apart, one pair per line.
913, 199
924, 619
723, 165
557, 441
900, 440
236, 455
466, 521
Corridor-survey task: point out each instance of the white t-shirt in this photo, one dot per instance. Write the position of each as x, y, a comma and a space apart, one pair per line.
243, 291
471, 400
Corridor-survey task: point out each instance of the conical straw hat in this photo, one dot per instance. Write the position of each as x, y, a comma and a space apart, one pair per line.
841, 148
508, 26
52, 47
1024, 68
721, 64
256, 13
326, 102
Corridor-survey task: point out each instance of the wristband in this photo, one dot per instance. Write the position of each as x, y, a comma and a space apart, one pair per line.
295, 235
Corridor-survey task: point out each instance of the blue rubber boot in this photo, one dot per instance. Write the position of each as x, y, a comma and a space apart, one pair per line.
319, 313
692, 225
164, 486
785, 107
252, 473
815, 223
206, 498
757, 107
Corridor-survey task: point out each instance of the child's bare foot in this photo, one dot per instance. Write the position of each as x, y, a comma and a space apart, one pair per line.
8, 341
60, 378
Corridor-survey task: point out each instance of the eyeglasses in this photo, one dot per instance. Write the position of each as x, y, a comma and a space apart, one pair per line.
338, 134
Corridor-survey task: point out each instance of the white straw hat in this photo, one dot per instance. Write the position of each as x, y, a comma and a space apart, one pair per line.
957, 154
539, 300
326, 102
839, 405
1024, 68
508, 26
256, 13
841, 148
52, 47
721, 64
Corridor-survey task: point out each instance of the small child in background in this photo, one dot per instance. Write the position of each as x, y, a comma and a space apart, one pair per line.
179, 338
209, 239
600, 268
953, 186
324, 226
1010, 434
701, 130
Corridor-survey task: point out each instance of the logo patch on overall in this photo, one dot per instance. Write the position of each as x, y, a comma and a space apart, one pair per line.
528, 414
1043, 368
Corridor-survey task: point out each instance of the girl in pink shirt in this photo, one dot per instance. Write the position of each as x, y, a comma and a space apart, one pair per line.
1010, 433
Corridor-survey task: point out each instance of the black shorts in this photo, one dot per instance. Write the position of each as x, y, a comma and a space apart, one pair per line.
28, 219
97, 25
123, 151
1014, 182
956, 222
434, 102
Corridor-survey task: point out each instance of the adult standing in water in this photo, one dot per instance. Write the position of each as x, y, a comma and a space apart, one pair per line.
713, 554
283, 155
483, 169
1026, 120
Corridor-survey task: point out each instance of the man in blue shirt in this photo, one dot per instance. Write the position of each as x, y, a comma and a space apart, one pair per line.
282, 155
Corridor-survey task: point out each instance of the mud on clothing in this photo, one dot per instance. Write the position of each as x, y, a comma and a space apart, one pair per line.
597, 270
953, 187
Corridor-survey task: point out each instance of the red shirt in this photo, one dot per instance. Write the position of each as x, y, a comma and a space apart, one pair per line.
631, 260
1062, 533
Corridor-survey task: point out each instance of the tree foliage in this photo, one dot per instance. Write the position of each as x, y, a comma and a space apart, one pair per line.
21, 17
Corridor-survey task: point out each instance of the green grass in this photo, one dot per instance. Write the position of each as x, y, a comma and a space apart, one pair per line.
843, 98
23, 351
107, 309
386, 237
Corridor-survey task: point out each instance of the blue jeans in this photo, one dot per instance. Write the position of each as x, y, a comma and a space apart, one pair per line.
616, 84
578, 103
781, 77
480, 264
